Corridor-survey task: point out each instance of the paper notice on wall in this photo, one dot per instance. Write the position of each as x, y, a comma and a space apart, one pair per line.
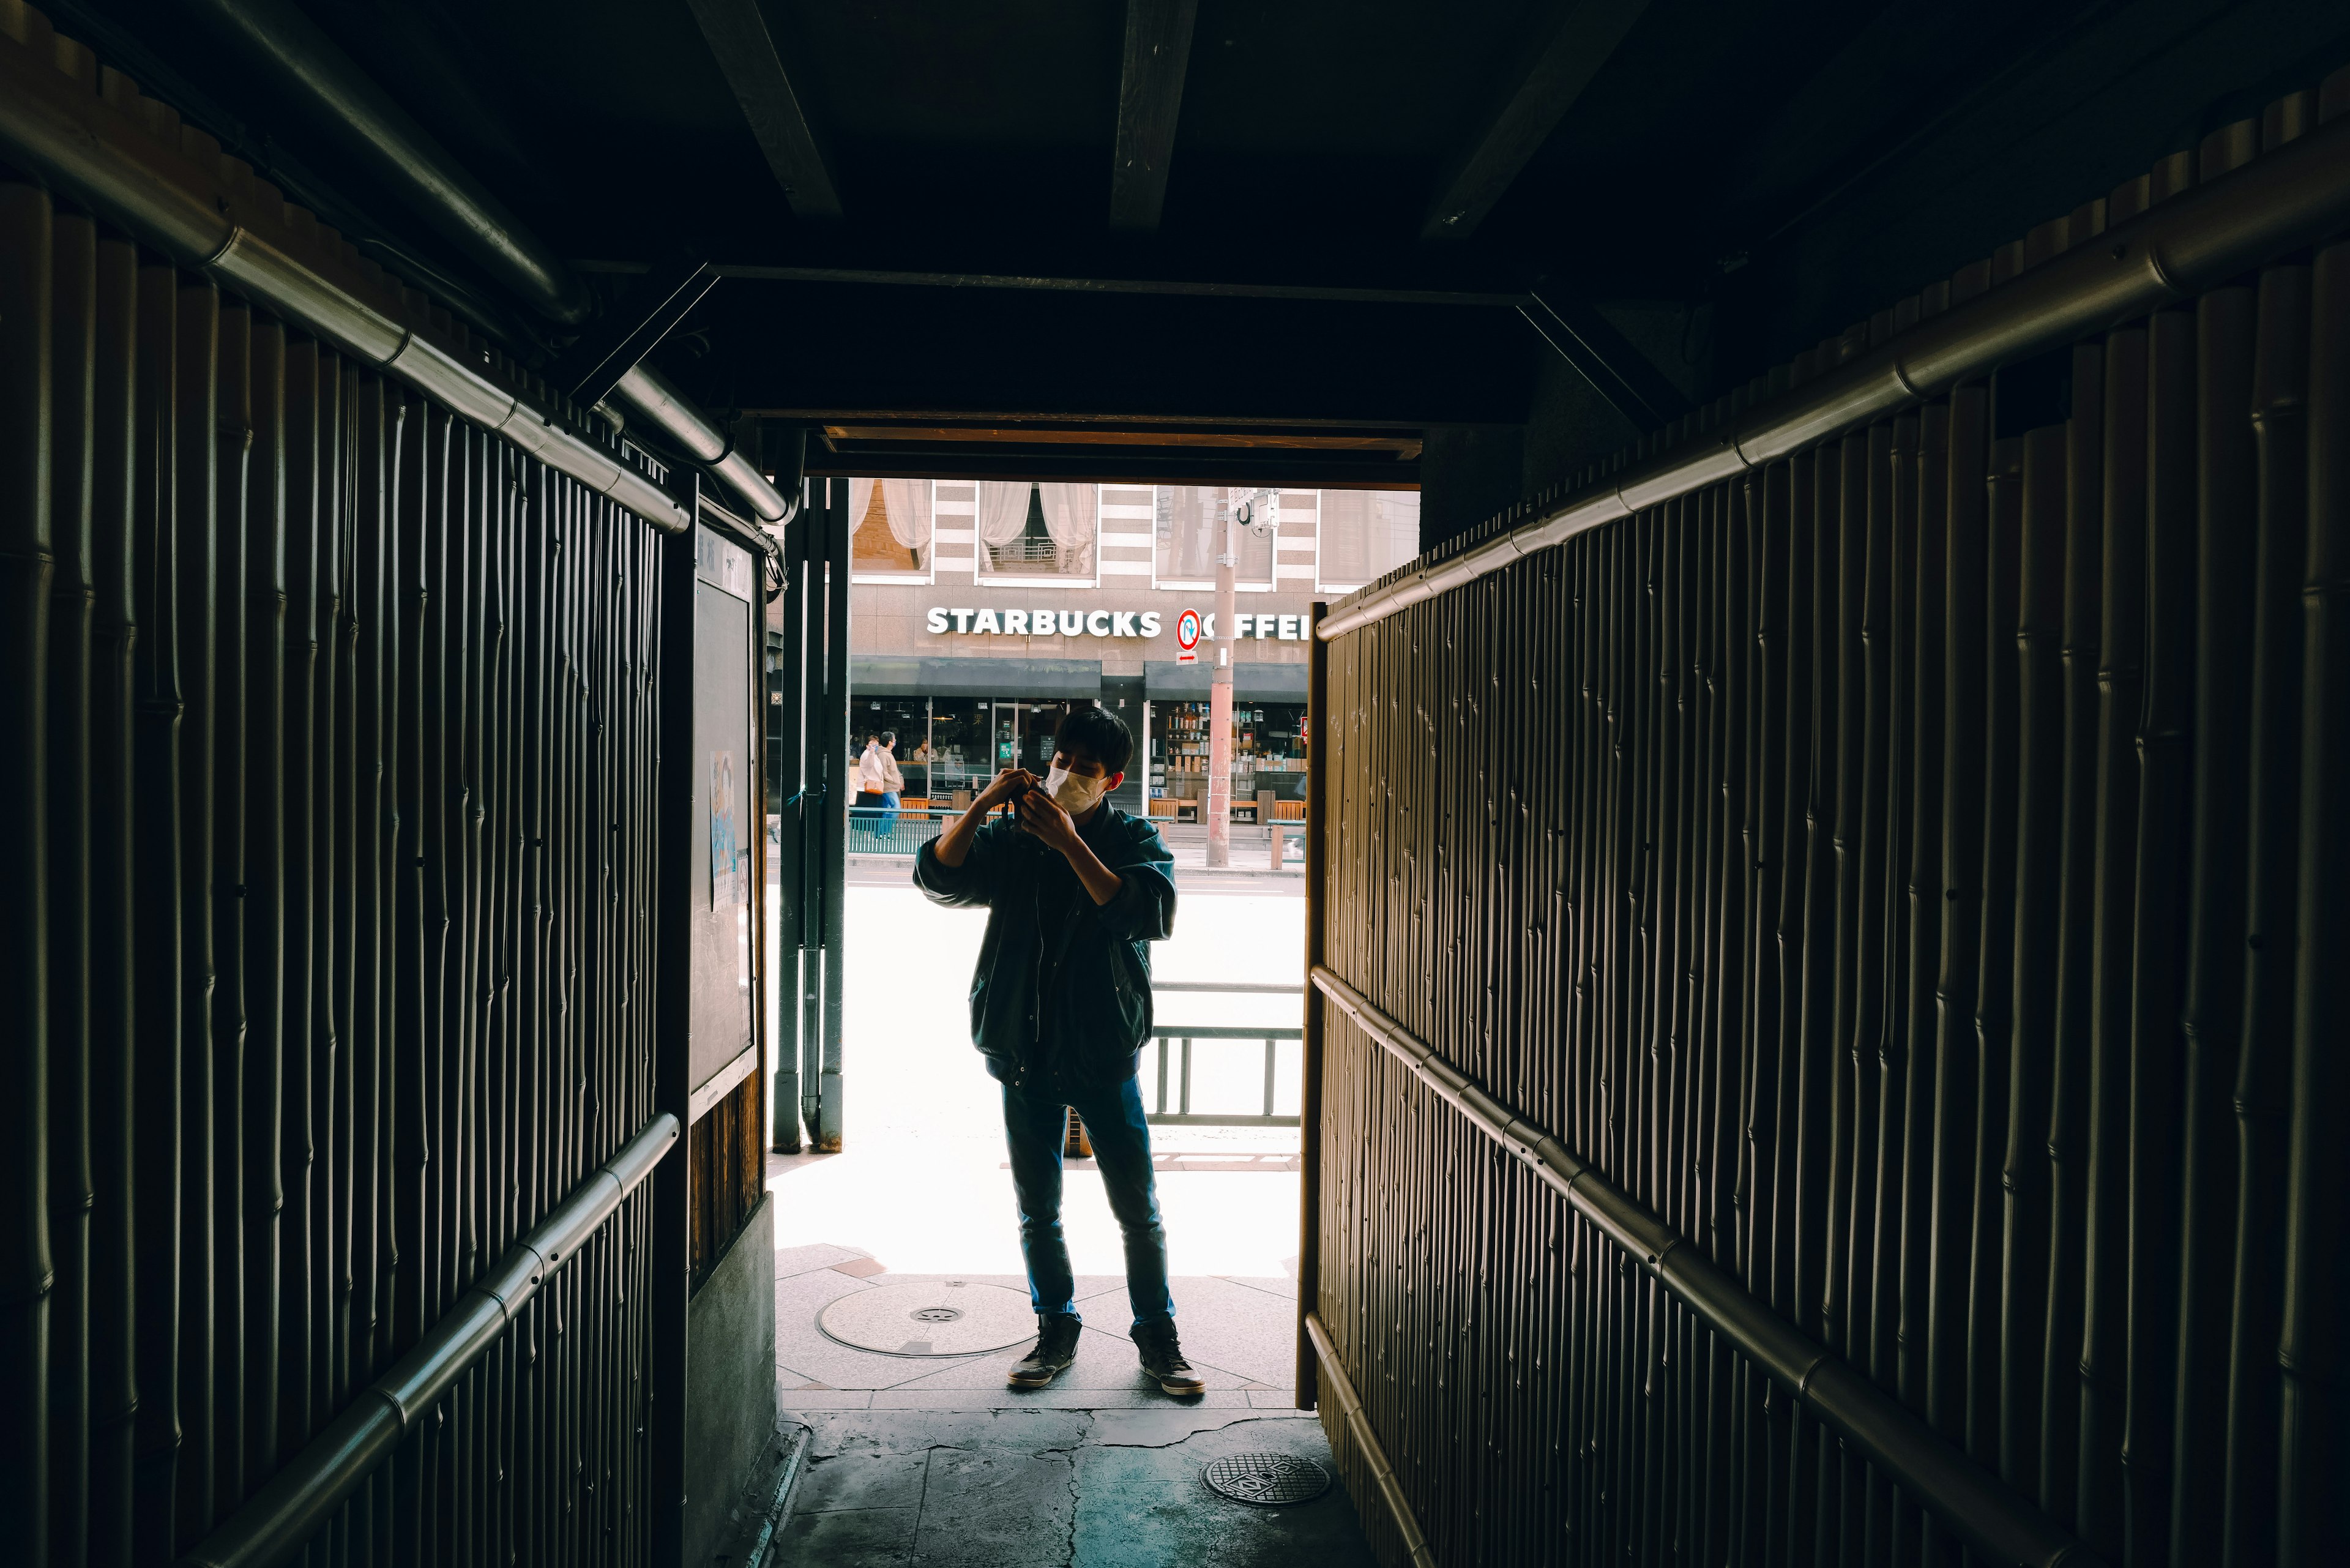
725, 853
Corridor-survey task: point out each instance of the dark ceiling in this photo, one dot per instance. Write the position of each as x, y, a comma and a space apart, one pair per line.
1333, 218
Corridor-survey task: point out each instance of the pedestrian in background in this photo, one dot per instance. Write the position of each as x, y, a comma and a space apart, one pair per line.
893, 786
872, 777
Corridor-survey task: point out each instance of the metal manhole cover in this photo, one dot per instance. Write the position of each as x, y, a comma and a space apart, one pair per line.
930, 1317
1268, 1478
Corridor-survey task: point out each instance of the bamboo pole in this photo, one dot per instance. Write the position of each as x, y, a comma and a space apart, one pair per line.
2312, 1441
158, 960
27, 1285
114, 929
70, 807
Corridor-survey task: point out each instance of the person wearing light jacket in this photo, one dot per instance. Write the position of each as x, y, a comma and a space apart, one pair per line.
1075, 891
879, 781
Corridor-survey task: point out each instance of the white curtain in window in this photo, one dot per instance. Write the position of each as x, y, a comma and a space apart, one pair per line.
909, 504
1069, 516
1003, 511
1189, 537
860, 502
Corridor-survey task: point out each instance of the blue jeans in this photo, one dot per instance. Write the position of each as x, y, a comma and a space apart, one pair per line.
886, 823
1033, 1131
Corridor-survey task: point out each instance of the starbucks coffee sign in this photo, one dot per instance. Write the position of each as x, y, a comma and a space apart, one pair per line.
991, 622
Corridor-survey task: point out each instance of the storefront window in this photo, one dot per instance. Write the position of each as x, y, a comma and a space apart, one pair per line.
962, 747
1268, 756
1366, 533
1189, 526
891, 521
1038, 533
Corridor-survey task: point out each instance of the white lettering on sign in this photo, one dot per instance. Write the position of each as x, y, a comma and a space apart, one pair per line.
991, 621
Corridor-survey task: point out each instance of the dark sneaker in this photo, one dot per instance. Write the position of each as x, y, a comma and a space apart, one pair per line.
1056, 1347
1162, 1358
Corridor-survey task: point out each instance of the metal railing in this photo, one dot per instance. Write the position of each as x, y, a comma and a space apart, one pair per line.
1172, 1043
2000, 1525
878, 830
293, 1504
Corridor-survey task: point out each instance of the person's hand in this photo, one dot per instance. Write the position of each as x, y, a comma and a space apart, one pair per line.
1003, 787
1042, 816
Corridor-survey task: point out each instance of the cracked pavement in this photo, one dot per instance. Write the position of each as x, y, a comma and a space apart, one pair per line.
1037, 1487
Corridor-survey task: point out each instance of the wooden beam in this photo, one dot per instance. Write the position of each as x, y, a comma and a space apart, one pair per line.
746, 53
1414, 280
1616, 371
1113, 465
1032, 435
1149, 95
1561, 67
614, 343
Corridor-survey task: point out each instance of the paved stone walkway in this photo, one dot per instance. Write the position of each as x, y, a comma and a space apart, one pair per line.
1031, 1487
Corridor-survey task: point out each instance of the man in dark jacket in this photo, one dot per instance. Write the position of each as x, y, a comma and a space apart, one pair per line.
1060, 1008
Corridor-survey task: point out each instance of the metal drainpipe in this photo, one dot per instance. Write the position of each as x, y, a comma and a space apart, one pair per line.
373, 130
378, 134
645, 391
2176, 251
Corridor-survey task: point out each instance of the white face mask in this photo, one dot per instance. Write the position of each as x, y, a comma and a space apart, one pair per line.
1070, 793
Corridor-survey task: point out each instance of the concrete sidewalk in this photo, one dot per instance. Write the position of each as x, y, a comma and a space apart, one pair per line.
1240, 1333
922, 1189
1025, 1488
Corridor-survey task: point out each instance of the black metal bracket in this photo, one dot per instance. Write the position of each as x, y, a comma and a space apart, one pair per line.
627, 332
1616, 371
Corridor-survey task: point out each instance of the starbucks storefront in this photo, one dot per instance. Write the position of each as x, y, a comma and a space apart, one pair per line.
980, 612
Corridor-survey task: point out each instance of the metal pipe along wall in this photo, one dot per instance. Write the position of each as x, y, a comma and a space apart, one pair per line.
1905, 872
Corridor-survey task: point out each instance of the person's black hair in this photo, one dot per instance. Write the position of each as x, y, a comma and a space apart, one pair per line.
1098, 733
888, 737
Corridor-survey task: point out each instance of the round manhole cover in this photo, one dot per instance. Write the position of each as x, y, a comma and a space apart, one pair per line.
1268, 1478
930, 1317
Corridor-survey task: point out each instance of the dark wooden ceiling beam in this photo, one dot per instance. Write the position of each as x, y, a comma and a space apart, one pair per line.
1149, 96
630, 329
1560, 67
1111, 465
1239, 287
1043, 436
1601, 355
753, 67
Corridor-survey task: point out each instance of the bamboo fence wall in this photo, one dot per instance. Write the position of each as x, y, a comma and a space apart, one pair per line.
1913, 871
327, 739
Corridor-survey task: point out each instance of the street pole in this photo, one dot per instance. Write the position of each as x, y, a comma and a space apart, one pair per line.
1220, 703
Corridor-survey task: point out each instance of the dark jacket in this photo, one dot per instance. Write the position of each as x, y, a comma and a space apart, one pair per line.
1096, 1016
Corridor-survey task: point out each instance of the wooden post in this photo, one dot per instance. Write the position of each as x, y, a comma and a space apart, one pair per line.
1309, 1118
